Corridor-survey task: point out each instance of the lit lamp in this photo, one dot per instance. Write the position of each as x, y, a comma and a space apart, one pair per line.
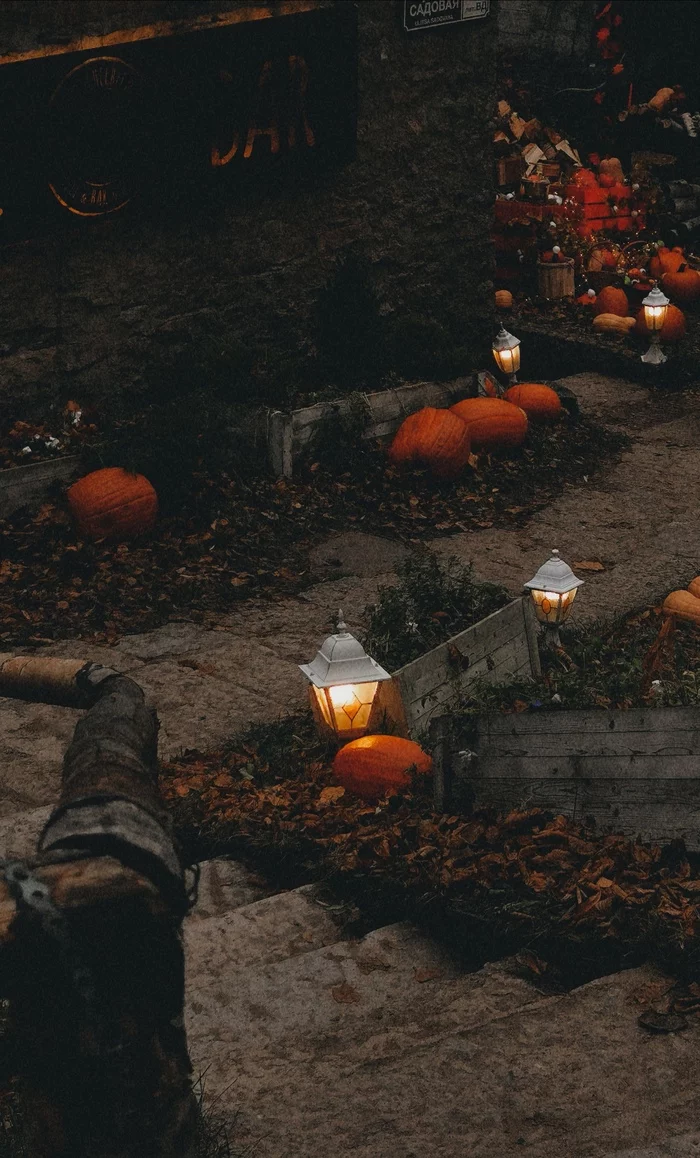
553, 590
506, 352
344, 682
655, 309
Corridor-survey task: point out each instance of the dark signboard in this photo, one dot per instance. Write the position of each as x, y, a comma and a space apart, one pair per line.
169, 123
419, 15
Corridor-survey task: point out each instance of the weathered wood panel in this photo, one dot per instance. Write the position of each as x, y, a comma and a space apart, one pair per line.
635, 772
497, 648
290, 434
24, 485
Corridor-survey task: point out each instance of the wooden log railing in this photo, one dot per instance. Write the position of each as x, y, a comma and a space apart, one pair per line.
91, 955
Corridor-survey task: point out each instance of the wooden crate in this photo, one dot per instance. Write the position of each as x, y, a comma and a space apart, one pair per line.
635, 772
500, 647
288, 435
22, 486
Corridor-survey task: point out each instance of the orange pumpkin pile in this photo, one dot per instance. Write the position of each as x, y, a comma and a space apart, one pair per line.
434, 438
377, 766
666, 260
673, 328
113, 504
683, 285
492, 422
540, 403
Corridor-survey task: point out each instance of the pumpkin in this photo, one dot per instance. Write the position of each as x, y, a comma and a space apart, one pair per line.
666, 261
661, 99
376, 766
113, 504
694, 586
434, 438
504, 299
611, 167
611, 300
540, 403
683, 605
613, 324
682, 286
672, 329
492, 422
587, 299
606, 181
583, 177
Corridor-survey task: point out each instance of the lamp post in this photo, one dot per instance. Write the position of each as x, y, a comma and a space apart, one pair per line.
655, 309
553, 590
344, 682
506, 352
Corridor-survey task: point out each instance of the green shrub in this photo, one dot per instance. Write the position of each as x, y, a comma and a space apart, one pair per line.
433, 600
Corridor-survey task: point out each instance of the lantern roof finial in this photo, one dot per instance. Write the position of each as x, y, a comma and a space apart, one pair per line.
555, 575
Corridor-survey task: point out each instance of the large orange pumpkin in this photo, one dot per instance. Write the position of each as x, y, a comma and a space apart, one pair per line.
540, 403
683, 605
434, 438
492, 422
611, 300
672, 329
113, 504
682, 286
694, 586
666, 261
376, 766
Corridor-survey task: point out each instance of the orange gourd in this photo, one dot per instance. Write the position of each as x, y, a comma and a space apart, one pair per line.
504, 299
673, 328
539, 402
492, 422
611, 300
694, 586
613, 324
434, 438
611, 167
683, 605
112, 503
586, 299
682, 286
377, 766
666, 261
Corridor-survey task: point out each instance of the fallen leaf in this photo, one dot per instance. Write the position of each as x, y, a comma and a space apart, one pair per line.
422, 974
369, 964
345, 994
589, 565
331, 794
661, 1022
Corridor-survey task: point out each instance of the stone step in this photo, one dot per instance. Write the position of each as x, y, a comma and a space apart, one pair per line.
20, 831
225, 884
479, 1065
277, 927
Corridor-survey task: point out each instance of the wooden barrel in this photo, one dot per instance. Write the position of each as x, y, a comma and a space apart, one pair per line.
555, 281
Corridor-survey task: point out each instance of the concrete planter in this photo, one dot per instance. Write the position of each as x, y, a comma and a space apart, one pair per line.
22, 486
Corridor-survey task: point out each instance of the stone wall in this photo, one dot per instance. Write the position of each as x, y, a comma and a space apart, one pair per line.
541, 28
83, 315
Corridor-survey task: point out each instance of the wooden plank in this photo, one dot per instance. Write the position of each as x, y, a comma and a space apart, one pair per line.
24, 485
531, 632
386, 408
642, 720
505, 663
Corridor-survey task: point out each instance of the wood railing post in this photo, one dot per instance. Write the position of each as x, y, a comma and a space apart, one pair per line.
91, 954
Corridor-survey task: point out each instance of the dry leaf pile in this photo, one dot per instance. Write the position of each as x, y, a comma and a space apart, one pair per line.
248, 537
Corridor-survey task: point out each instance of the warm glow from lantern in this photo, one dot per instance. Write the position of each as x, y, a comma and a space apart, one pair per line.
346, 707
506, 353
655, 316
551, 607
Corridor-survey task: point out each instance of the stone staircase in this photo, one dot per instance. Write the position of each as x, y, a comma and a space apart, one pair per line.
382, 1047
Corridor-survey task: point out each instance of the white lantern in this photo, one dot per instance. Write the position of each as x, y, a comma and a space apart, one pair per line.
655, 309
553, 590
344, 682
506, 352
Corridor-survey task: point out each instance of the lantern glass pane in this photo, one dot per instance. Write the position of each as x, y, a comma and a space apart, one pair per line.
655, 316
321, 698
566, 601
547, 606
349, 706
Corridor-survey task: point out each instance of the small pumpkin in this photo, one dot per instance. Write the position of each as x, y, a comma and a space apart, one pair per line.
611, 167
434, 438
612, 300
682, 604
504, 299
606, 180
377, 766
673, 328
682, 286
113, 503
666, 261
540, 403
583, 177
587, 299
492, 422
613, 324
